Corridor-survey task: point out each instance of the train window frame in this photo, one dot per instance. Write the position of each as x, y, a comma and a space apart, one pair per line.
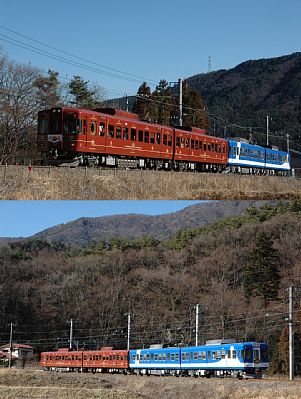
125, 134
169, 140
133, 134
146, 137
177, 356
158, 138
205, 146
197, 144
101, 129
192, 144
118, 132
140, 136
93, 127
164, 139
234, 354
111, 131
152, 138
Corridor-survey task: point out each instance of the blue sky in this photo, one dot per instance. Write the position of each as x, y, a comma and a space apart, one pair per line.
24, 218
151, 40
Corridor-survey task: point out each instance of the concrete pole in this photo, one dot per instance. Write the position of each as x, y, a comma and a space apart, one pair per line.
197, 325
180, 102
10, 345
291, 335
71, 333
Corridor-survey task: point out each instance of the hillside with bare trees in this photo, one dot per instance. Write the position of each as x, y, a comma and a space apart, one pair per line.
45, 284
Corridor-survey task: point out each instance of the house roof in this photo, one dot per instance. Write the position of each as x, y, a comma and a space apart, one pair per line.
16, 346
6, 355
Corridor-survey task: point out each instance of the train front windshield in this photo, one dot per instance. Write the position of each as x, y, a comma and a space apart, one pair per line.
255, 355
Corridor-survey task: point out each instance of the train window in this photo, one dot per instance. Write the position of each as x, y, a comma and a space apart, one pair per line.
187, 143
133, 357
169, 141
152, 138
229, 354
85, 126
101, 129
234, 354
158, 138
183, 356
218, 355
146, 137
182, 142
152, 356
192, 144
93, 128
213, 354
43, 126
133, 134
85, 357
205, 146
118, 132
156, 356
172, 356
164, 139
168, 356
164, 356
177, 141
177, 356
125, 133
140, 135
195, 356
256, 355
209, 355
111, 130
223, 354
197, 144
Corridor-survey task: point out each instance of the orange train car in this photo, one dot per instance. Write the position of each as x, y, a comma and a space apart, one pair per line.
105, 359
109, 137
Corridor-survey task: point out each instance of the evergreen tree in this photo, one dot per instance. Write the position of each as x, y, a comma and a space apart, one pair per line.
164, 103
48, 89
83, 96
261, 275
193, 108
144, 106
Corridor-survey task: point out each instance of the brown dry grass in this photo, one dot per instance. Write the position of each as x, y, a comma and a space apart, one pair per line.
95, 184
34, 384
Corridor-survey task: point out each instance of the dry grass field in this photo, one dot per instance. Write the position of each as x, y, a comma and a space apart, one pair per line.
52, 183
35, 384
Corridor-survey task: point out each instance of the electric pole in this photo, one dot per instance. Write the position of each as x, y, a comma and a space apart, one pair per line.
10, 345
196, 324
291, 334
129, 330
180, 102
288, 142
71, 334
267, 130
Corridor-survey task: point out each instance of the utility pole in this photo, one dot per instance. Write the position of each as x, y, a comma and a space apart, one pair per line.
129, 330
291, 334
127, 103
288, 142
267, 130
180, 102
71, 334
10, 345
197, 324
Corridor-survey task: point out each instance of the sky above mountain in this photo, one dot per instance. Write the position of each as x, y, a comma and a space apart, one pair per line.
121, 44
25, 218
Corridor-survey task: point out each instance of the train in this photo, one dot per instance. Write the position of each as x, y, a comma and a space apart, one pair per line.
221, 358
110, 137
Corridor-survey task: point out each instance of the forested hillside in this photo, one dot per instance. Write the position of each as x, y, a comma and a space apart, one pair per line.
246, 94
84, 231
237, 269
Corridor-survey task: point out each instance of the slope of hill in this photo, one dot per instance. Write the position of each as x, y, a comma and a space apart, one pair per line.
254, 89
82, 231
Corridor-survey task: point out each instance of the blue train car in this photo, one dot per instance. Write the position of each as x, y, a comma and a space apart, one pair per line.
247, 359
249, 158
277, 160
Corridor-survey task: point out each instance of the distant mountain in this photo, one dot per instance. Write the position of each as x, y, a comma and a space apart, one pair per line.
252, 90
84, 230
246, 94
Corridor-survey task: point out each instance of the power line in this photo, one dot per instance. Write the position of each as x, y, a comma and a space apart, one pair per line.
75, 56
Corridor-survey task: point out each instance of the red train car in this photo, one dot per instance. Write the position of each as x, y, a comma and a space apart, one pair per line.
117, 138
106, 359
103, 360
62, 359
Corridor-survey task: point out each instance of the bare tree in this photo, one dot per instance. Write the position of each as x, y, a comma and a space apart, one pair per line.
19, 105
